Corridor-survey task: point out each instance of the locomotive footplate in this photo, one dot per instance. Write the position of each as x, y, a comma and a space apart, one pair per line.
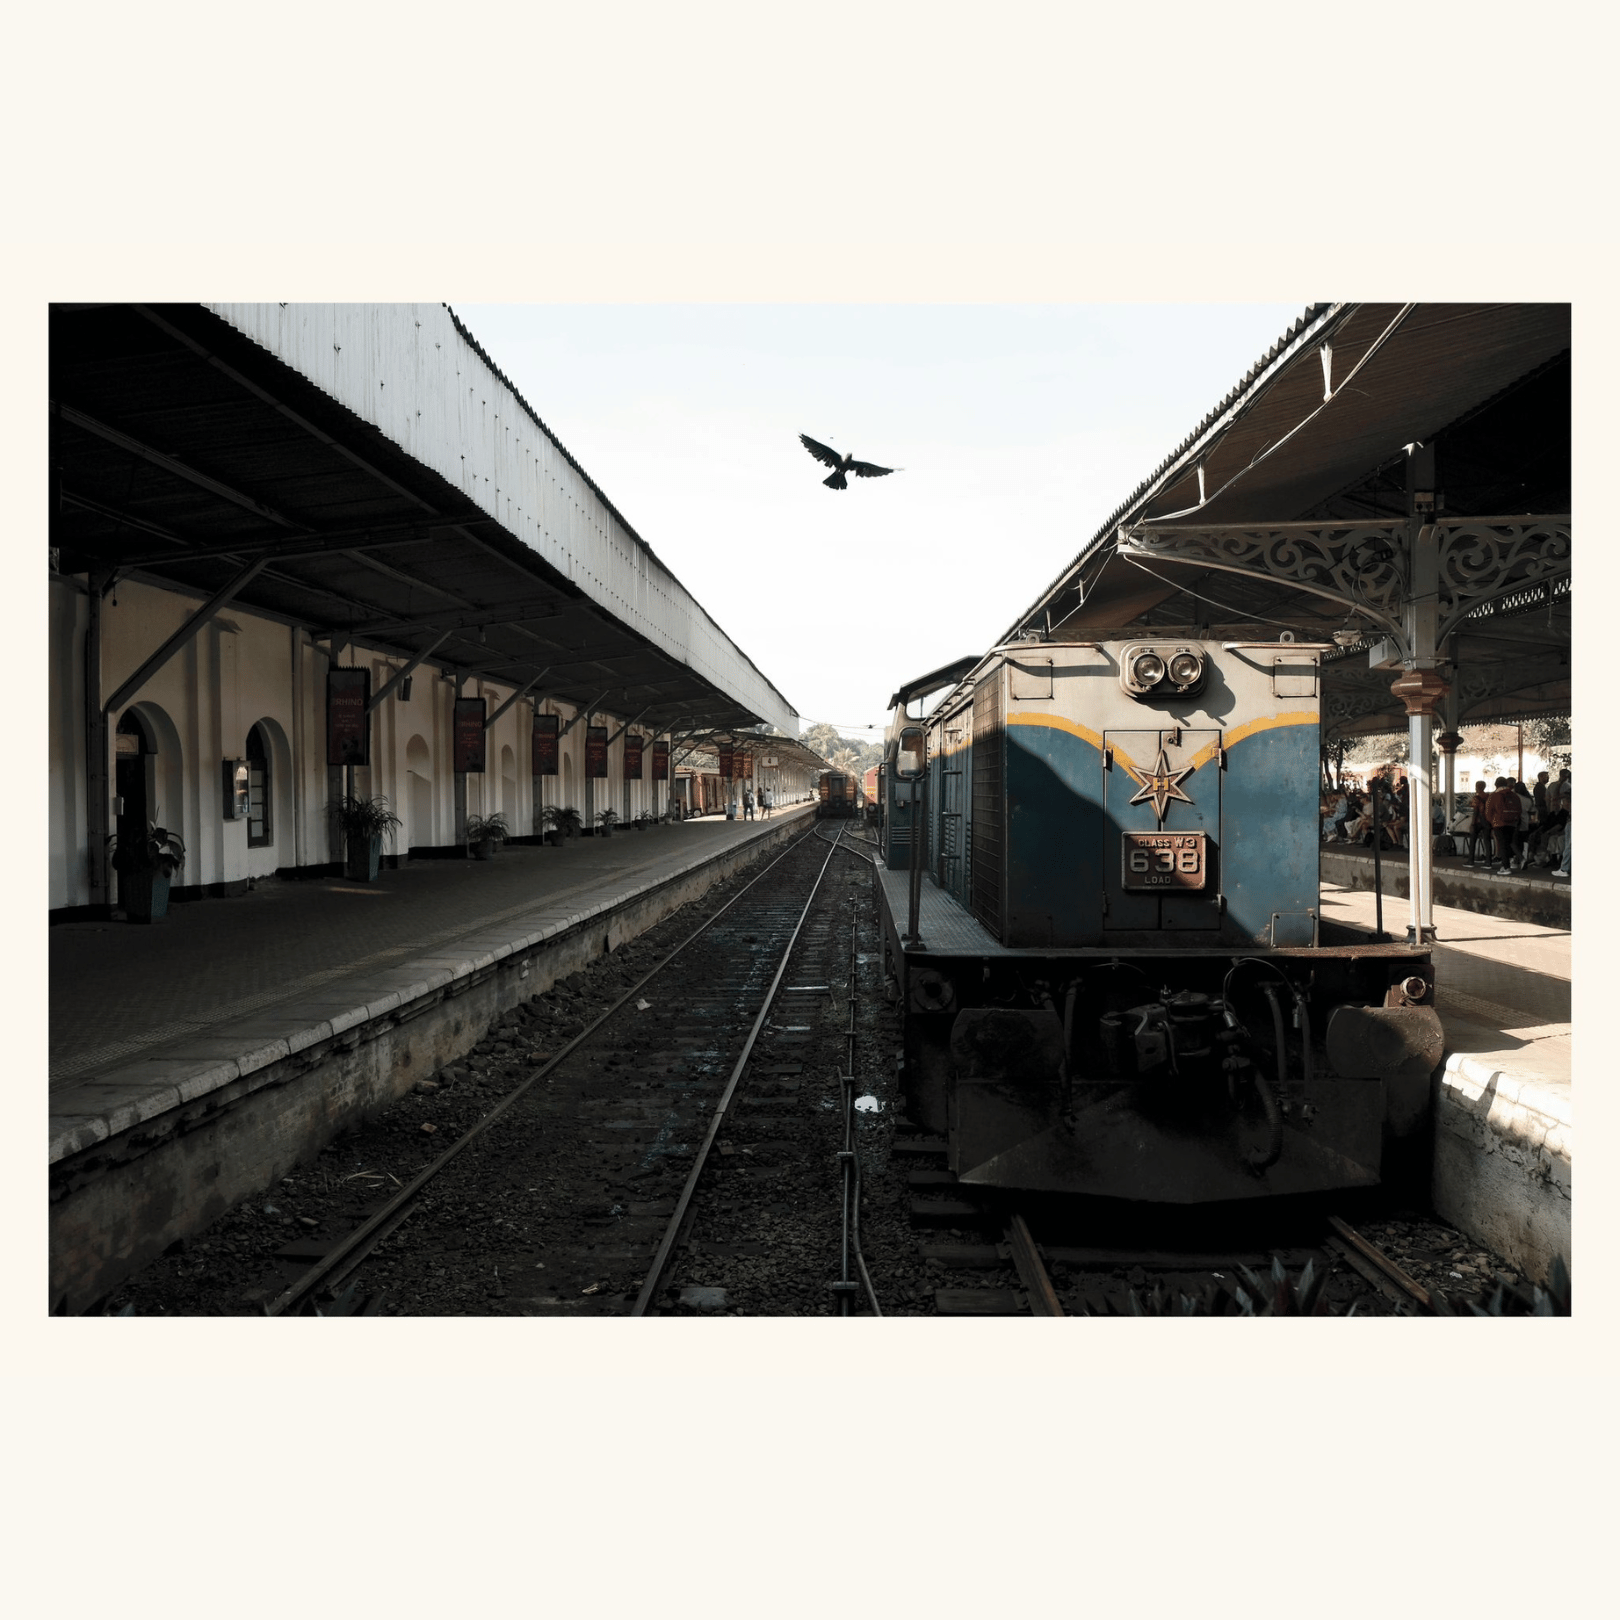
1113, 1150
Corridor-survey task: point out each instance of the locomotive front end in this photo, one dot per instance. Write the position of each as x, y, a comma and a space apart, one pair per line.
1105, 930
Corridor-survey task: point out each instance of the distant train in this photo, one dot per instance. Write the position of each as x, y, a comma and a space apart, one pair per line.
1101, 913
839, 794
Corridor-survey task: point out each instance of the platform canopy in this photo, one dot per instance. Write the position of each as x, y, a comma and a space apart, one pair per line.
1391, 478
366, 472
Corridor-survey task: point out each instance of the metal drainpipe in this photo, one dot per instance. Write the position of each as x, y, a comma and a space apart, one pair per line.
96, 798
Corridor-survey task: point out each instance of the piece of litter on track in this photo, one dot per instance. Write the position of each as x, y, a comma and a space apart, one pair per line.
430, 1128
643, 1005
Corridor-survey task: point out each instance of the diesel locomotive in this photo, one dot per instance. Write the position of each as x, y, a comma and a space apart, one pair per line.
1100, 897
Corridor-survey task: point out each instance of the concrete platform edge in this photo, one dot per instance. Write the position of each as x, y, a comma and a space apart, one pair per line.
74, 1127
1503, 1152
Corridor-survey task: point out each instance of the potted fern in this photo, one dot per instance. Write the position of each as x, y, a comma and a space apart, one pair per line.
606, 821
484, 833
144, 864
560, 821
365, 823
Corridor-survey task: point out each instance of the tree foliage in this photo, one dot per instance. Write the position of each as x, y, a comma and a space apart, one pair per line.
839, 751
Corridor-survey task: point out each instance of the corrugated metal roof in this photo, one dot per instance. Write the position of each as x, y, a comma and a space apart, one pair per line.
1313, 325
562, 450
1273, 447
180, 447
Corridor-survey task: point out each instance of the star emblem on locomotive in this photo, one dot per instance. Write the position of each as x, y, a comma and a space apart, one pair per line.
1161, 785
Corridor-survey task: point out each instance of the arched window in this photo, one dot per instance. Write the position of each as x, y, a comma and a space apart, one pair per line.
260, 832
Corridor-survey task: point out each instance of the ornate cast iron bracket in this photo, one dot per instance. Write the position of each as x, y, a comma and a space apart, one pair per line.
1367, 567
1484, 558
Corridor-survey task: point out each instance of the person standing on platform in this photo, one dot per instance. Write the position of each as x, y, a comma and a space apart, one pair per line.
1479, 829
1502, 812
1565, 790
748, 804
1527, 810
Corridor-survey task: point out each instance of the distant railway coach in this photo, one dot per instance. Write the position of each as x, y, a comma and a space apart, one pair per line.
1100, 895
837, 792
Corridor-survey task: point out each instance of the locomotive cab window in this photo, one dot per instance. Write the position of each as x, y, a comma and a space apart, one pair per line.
912, 755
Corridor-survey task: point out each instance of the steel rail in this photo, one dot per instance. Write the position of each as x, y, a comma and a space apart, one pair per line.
1371, 1252
1043, 1299
365, 1236
672, 1233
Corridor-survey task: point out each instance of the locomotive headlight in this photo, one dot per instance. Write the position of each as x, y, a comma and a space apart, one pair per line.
1185, 668
1148, 670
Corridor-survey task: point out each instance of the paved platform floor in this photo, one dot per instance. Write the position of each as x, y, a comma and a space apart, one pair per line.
121, 992
1502, 988
1458, 864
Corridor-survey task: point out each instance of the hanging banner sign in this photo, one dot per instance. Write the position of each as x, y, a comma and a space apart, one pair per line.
596, 750
469, 734
728, 760
545, 745
632, 758
660, 762
348, 726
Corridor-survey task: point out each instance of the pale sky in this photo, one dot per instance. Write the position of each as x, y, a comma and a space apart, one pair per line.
1018, 429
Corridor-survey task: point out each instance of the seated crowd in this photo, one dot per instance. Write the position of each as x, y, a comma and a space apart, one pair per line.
1511, 825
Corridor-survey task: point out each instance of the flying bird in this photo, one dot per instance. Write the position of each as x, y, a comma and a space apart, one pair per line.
842, 464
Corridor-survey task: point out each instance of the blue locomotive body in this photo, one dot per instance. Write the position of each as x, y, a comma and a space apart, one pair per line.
1100, 888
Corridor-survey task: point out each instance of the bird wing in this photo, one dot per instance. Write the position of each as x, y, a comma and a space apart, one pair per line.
830, 457
865, 469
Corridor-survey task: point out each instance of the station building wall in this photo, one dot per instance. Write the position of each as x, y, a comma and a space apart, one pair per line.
243, 671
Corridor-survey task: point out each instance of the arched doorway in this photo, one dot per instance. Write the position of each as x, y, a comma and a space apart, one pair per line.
419, 800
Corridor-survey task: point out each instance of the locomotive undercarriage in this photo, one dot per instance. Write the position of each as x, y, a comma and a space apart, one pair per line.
1170, 1077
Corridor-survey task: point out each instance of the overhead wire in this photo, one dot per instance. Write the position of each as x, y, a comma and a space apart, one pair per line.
1225, 607
1277, 444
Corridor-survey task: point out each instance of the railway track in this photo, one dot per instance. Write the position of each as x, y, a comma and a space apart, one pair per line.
639, 1097
1019, 1275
